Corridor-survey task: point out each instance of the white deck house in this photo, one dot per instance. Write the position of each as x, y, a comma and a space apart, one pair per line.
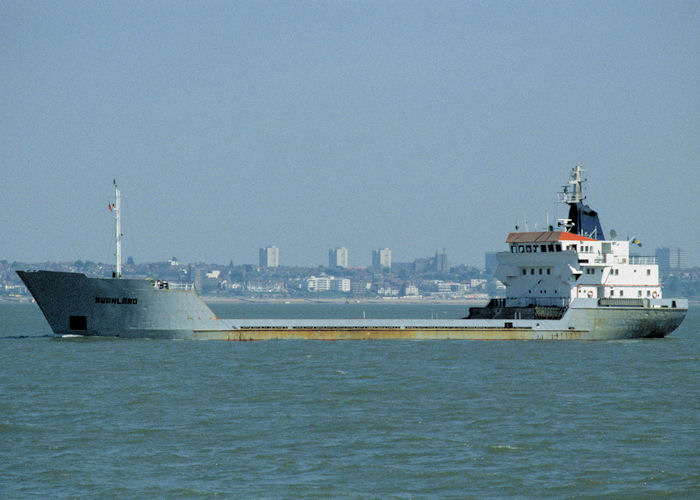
555, 267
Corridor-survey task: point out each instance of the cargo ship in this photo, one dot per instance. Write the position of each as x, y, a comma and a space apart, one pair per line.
565, 284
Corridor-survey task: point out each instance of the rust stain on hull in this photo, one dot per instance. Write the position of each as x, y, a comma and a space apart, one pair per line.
253, 334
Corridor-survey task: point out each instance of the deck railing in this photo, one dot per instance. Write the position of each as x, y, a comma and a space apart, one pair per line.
642, 259
539, 301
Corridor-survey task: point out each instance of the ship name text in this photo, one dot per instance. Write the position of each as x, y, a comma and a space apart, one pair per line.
116, 300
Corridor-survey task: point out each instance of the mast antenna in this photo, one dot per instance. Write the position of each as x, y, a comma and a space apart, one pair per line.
573, 192
118, 230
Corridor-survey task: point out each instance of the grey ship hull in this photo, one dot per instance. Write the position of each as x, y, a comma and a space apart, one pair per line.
74, 304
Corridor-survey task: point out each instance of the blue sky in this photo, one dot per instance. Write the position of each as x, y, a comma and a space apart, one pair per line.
308, 125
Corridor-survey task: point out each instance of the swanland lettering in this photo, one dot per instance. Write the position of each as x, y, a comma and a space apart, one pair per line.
114, 300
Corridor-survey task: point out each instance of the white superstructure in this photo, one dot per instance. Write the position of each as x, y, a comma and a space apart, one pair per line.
555, 267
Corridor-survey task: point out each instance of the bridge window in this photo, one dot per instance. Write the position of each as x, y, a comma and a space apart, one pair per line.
532, 271
548, 270
528, 248
512, 249
521, 248
524, 271
543, 248
558, 247
540, 270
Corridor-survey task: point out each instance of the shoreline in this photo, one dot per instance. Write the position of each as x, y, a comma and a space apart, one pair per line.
338, 300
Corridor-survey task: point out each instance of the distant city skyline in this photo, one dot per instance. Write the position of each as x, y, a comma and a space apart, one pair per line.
406, 125
667, 258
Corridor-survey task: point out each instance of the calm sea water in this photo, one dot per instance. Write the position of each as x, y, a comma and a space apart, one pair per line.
96, 418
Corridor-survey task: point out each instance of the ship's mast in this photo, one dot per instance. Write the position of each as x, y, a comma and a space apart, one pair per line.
573, 192
118, 230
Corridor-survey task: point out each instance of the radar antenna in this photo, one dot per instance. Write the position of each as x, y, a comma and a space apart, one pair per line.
567, 224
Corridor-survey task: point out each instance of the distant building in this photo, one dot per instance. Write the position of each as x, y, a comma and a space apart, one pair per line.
477, 283
670, 258
338, 257
421, 265
381, 258
441, 264
318, 283
387, 291
360, 287
269, 256
490, 263
327, 283
438, 263
340, 284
